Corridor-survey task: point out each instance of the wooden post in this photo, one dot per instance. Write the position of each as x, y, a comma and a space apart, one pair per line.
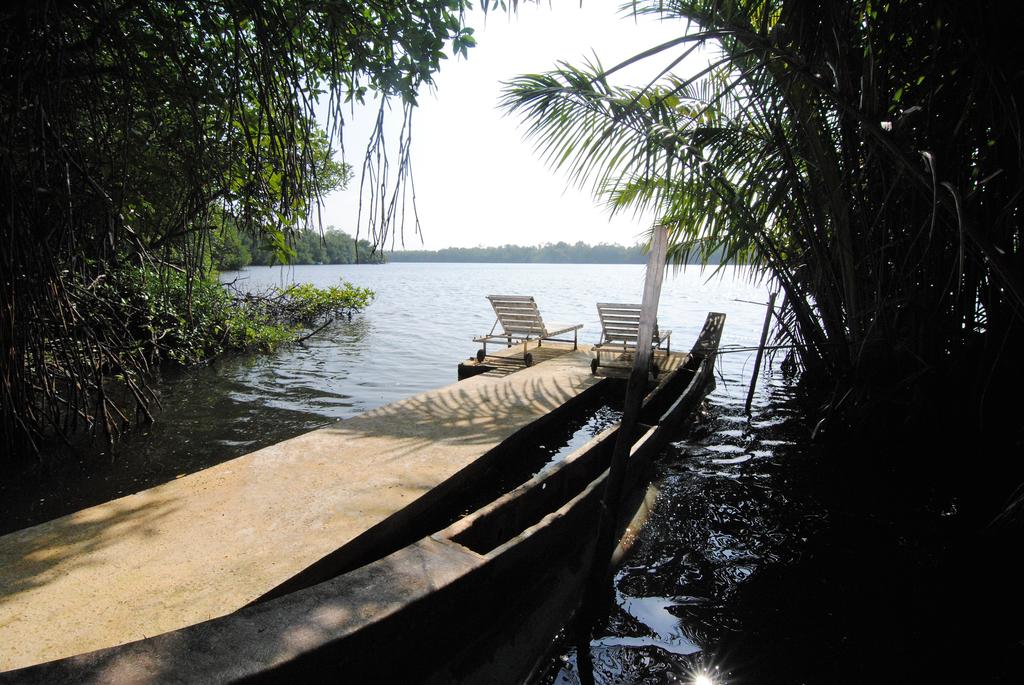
760, 351
636, 388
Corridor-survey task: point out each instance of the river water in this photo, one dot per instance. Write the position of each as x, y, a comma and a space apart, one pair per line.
410, 339
727, 580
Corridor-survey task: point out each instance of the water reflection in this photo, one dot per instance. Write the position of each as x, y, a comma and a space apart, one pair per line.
772, 559
722, 515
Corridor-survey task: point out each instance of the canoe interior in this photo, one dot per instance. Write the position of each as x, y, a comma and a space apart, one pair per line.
535, 542
498, 471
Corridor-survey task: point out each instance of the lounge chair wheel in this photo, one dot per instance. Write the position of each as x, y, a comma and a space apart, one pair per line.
480, 355
593, 367
528, 358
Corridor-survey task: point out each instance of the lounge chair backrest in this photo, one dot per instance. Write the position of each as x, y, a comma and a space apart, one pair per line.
621, 323
518, 315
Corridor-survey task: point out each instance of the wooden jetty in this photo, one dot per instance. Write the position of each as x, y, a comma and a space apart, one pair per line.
329, 550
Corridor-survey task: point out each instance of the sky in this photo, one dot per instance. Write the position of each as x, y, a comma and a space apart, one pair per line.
478, 183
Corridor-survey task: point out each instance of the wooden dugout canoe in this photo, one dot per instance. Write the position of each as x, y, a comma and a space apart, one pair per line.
480, 600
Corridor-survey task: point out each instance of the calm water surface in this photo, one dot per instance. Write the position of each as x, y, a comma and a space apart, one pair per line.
424, 316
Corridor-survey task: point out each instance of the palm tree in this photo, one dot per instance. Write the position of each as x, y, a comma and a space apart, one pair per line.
866, 155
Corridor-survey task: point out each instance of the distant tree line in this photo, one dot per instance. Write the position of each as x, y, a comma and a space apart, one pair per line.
550, 253
234, 250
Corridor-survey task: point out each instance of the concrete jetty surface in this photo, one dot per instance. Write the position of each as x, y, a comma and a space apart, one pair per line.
209, 543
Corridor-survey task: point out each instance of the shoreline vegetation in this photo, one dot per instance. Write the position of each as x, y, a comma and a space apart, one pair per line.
225, 319
233, 251
172, 320
550, 253
139, 138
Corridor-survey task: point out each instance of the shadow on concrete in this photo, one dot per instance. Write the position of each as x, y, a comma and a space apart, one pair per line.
35, 556
478, 411
481, 438
428, 446
349, 627
35, 564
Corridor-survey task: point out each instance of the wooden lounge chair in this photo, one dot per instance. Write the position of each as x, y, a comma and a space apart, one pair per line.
620, 327
521, 322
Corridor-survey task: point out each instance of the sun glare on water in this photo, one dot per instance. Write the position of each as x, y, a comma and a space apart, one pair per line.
702, 679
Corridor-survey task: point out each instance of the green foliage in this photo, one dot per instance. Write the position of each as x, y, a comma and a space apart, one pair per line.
307, 247
229, 251
187, 322
312, 306
179, 136
246, 332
